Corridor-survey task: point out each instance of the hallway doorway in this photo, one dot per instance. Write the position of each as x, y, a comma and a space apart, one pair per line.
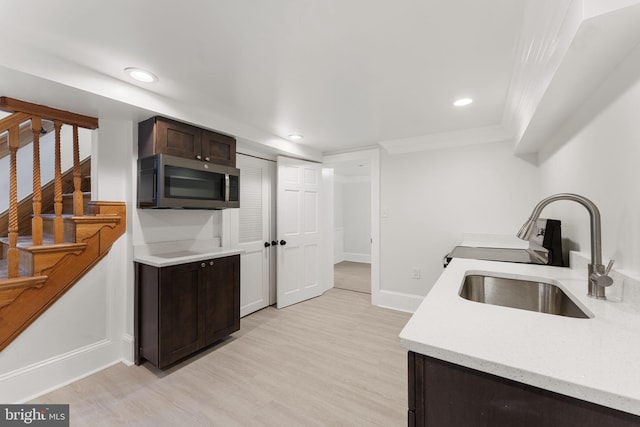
356, 225
352, 276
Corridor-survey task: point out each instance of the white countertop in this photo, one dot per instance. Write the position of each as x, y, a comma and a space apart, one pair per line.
164, 254
596, 359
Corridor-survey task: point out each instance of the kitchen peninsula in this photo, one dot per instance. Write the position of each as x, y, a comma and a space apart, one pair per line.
498, 365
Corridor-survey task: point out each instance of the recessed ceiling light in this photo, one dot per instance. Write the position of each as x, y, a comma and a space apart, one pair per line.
141, 75
295, 137
462, 102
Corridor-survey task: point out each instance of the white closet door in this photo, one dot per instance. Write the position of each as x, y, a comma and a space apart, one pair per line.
298, 225
255, 233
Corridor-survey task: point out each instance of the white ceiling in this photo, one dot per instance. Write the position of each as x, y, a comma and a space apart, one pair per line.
344, 73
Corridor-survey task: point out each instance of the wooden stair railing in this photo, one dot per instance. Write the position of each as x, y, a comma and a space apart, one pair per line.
26, 136
36, 270
25, 206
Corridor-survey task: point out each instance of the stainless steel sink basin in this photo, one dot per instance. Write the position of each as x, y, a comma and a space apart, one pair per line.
529, 295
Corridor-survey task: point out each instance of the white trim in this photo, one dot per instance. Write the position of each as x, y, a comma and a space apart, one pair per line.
399, 301
338, 244
354, 257
127, 351
29, 382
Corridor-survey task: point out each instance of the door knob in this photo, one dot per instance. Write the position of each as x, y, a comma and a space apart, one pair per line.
267, 244
274, 242
283, 242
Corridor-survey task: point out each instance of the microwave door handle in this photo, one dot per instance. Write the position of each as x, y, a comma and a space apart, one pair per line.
226, 187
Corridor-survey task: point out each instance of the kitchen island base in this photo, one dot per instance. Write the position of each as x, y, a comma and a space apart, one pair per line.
444, 394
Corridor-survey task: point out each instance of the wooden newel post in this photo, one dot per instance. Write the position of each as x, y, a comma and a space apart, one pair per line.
58, 223
36, 221
12, 253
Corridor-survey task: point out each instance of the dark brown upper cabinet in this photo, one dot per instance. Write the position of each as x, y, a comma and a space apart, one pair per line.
159, 135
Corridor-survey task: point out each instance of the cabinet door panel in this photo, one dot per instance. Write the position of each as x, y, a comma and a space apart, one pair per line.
222, 298
449, 395
219, 149
179, 305
178, 139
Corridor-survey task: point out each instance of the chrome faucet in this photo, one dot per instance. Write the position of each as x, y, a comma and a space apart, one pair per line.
598, 275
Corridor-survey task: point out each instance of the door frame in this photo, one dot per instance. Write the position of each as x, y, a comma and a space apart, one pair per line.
373, 157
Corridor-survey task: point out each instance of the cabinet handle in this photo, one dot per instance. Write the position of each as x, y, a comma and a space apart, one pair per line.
227, 187
210, 262
199, 157
206, 159
274, 242
203, 264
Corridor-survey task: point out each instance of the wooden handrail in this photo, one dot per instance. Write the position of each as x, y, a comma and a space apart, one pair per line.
35, 113
14, 106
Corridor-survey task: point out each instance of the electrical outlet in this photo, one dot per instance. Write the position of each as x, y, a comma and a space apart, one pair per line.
416, 273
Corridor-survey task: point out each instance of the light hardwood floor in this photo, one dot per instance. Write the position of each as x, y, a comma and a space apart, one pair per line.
334, 360
353, 276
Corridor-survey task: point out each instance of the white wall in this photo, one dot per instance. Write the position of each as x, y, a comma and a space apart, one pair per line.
356, 219
429, 199
327, 246
338, 223
338, 207
163, 225
91, 326
602, 163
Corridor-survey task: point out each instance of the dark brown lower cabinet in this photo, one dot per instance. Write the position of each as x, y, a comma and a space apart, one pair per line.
184, 308
442, 394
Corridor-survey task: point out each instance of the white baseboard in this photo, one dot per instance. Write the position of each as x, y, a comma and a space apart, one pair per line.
398, 301
31, 381
354, 257
128, 350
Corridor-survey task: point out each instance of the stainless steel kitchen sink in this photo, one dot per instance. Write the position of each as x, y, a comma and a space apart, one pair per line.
531, 295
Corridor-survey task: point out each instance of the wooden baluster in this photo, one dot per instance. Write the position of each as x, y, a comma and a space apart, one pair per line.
58, 223
12, 253
78, 208
36, 221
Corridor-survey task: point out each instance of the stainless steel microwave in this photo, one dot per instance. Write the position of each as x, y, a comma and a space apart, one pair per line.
174, 182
